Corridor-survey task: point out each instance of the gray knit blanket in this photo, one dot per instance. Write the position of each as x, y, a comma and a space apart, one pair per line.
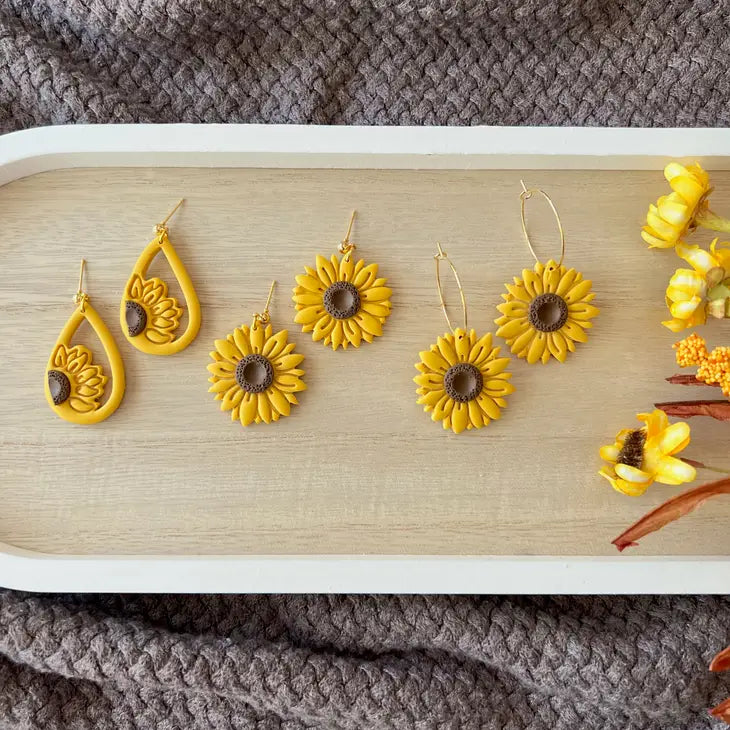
189, 662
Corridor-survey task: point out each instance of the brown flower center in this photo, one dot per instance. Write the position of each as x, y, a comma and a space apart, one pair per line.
135, 317
548, 312
463, 382
632, 452
341, 300
59, 385
254, 373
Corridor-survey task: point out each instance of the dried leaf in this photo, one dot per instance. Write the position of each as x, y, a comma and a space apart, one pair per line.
684, 379
722, 661
718, 409
669, 511
722, 711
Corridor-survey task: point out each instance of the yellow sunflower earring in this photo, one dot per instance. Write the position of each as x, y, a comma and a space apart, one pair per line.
548, 310
255, 373
148, 315
342, 302
462, 381
74, 385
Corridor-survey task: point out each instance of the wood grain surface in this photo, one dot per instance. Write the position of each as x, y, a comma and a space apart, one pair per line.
358, 467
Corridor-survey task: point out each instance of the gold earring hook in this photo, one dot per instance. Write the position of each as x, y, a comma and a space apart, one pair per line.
346, 246
163, 226
526, 195
264, 318
80, 298
443, 256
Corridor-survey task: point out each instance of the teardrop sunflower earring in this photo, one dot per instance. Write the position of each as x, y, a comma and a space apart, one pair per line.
74, 385
462, 381
149, 317
255, 372
342, 302
548, 310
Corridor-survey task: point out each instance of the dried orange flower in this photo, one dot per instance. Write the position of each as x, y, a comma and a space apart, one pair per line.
712, 367
690, 351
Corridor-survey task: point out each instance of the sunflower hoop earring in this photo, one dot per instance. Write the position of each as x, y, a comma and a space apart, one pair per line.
462, 381
342, 302
255, 372
148, 316
74, 385
546, 311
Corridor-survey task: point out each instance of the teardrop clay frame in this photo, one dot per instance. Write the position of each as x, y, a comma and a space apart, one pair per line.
84, 311
161, 242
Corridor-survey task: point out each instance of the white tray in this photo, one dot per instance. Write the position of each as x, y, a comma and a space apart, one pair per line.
299, 148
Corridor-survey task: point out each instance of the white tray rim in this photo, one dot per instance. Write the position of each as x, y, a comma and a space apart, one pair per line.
41, 149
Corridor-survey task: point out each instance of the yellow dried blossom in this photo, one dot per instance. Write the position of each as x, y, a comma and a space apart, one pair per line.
640, 456
685, 208
692, 293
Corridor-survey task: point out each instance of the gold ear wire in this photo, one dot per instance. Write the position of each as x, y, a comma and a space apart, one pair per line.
526, 195
163, 226
443, 256
346, 246
81, 297
264, 318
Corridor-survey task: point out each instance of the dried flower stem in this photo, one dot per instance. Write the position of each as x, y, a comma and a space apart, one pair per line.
718, 409
670, 511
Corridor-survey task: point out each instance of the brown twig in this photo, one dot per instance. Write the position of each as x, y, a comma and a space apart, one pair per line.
684, 379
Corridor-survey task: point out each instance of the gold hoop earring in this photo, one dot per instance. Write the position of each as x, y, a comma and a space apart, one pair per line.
255, 372
462, 382
74, 385
342, 302
548, 310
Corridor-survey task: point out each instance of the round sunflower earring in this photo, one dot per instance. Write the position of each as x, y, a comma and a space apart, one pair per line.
342, 302
548, 310
255, 371
462, 380
74, 385
148, 316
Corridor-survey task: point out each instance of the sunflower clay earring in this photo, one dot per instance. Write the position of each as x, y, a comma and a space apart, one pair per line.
462, 382
254, 372
548, 310
74, 385
342, 302
148, 316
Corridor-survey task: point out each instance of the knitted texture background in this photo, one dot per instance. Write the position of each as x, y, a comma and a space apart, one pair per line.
295, 662
607, 62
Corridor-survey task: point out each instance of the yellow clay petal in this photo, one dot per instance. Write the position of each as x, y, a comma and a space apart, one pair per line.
459, 417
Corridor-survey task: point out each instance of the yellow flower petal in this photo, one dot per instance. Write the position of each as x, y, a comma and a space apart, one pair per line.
434, 361
310, 314
459, 417
489, 406
537, 347
447, 350
674, 471
352, 332
368, 323
279, 401
248, 409
609, 453
475, 414
684, 310
229, 351
310, 283
632, 474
